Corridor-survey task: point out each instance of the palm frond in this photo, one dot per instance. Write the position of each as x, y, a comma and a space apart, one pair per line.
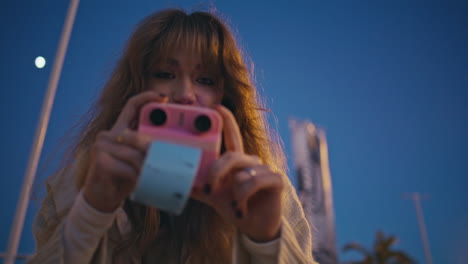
401, 257
356, 247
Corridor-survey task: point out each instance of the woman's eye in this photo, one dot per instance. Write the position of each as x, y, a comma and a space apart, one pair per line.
206, 81
163, 75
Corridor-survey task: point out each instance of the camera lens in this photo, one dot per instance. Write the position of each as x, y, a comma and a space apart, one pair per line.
158, 117
202, 123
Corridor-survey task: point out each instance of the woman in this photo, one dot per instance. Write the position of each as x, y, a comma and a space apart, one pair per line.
247, 212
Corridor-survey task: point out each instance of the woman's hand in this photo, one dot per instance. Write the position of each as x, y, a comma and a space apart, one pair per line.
117, 156
242, 189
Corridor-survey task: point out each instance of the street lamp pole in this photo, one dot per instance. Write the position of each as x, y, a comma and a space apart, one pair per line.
417, 197
23, 201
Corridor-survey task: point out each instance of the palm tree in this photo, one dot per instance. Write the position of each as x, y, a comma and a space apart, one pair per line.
381, 252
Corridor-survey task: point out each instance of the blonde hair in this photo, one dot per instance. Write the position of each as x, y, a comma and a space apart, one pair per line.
199, 235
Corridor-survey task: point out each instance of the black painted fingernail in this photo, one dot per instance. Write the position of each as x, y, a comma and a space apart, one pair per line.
234, 203
207, 189
162, 95
238, 213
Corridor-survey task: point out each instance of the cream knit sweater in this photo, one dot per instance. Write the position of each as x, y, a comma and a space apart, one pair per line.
85, 238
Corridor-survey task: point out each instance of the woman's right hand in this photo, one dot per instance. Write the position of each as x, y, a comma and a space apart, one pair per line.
117, 156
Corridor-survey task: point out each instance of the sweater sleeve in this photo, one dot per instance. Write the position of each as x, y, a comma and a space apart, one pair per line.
48, 230
294, 245
261, 253
50, 223
296, 237
84, 228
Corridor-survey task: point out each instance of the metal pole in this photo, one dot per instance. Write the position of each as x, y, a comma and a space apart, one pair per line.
416, 197
39, 137
422, 227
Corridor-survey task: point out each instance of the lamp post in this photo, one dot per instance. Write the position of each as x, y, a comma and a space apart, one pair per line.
417, 197
22, 206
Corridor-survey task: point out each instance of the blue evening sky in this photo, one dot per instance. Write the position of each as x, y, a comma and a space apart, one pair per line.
387, 80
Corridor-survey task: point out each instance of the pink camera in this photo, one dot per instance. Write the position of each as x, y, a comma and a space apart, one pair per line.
197, 127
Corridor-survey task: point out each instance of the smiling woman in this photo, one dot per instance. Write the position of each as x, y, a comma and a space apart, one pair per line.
247, 210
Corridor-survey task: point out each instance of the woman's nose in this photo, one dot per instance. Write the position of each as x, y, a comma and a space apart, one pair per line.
185, 93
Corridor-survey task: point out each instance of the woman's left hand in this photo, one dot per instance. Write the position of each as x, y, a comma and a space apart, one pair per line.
242, 189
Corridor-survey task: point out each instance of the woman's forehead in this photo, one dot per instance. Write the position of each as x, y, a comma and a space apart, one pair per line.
189, 42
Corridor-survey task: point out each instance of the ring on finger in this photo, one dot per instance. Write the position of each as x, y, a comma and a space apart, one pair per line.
251, 171
120, 138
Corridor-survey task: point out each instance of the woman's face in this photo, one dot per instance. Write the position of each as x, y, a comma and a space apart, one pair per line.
186, 81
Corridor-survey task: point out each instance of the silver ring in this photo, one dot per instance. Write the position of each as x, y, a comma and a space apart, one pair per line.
252, 172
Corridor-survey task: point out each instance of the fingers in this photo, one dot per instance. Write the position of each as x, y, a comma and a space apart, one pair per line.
130, 111
246, 186
227, 164
130, 138
131, 149
245, 189
107, 164
110, 181
231, 131
116, 160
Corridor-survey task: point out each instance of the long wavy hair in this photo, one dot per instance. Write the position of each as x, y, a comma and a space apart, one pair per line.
198, 235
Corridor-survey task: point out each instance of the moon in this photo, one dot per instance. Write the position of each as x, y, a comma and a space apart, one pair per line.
40, 62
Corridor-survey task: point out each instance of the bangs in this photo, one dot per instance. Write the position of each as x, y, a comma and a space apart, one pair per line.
196, 33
